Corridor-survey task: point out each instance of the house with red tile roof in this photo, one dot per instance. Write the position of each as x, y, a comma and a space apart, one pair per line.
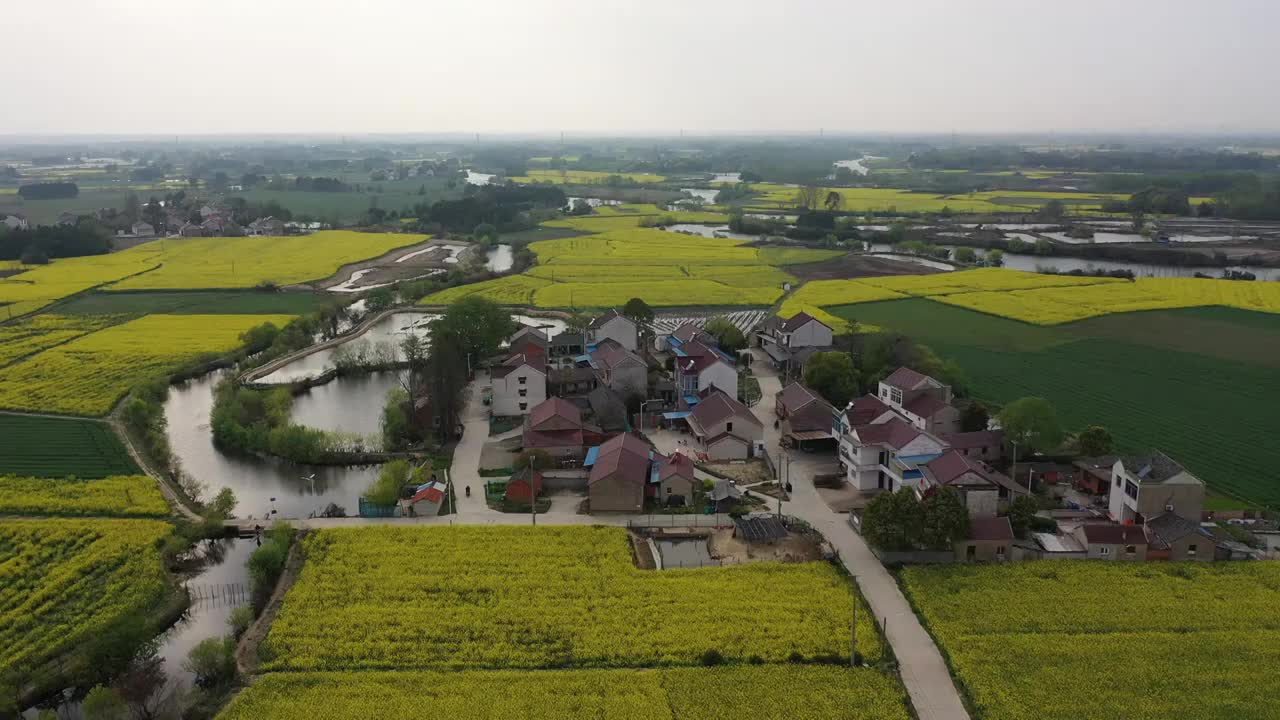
671, 478
619, 475
524, 485
921, 399
724, 428
984, 445
555, 426
699, 367
887, 455
1106, 541
803, 415
619, 369
614, 326
990, 540
986, 492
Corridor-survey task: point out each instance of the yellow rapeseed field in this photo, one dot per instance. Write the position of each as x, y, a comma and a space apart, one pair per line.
1050, 306
768, 692
63, 581
44, 284
39, 332
89, 374
784, 197
519, 597
218, 262
978, 280
1190, 640
119, 496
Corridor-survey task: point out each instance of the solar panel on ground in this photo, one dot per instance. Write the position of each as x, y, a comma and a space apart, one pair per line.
760, 529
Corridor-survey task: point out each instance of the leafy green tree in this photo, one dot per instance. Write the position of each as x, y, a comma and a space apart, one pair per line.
486, 232
833, 376
974, 417
966, 255
397, 427
394, 476
892, 522
1022, 514
1052, 210
638, 311
727, 335
212, 662
239, 620
1032, 424
1096, 440
538, 459
102, 703
223, 504
478, 324
995, 258
944, 519
833, 201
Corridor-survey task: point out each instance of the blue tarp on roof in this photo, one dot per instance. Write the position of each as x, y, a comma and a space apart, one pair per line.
691, 399
677, 415
679, 352
592, 454
582, 358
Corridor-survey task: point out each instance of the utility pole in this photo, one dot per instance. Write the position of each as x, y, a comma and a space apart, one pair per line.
853, 628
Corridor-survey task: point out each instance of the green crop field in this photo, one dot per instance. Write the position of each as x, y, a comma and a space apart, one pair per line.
1075, 640
1198, 383
196, 302
58, 447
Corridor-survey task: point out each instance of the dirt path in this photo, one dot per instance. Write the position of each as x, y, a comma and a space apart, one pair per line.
247, 649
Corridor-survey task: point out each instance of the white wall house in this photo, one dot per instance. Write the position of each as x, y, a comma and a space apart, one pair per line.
887, 456
518, 385
614, 326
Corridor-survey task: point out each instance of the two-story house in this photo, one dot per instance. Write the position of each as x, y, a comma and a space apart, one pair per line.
782, 339
1145, 486
887, 455
698, 367
619, 369
986, 493
925, 402
519, 383
614, 326
565, 349
803, 415
724, 428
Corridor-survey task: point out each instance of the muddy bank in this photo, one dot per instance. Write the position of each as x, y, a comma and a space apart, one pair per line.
855, 266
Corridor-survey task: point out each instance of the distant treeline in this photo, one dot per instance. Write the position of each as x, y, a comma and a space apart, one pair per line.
506, 207
39, 244
320, 184
49, 191
1101, 161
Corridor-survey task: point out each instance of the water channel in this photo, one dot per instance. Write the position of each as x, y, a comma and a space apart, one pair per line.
218, 586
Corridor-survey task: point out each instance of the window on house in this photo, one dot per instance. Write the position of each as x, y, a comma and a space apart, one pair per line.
1104, 551
1117, 481
728, 427
522, 380
523, 392
884, 458
1131, 489
1000, 552
1130, 549
1191, 550
524, 406
895, 396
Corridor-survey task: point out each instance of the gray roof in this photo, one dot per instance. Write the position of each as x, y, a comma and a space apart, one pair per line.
1170, 527
1156, 467
725, 490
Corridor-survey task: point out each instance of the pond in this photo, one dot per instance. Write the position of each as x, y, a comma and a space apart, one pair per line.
720, 231
1031, 263
684, 554
220, 585
500, 258
707, 196
360, 399
262, 484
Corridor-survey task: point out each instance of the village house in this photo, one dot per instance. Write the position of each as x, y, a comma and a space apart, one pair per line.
614, 326
66, 219
571, 382
619, 475
886, 455
1093, 474
925, 402
265, 226
528, 336
619, 369
143, 230
803, 415
524, 486
1113, 542
555, 426
1173, 537
984, 445
190, 230
566, 348
699, 367
986, 493
14, 222
608, 410
724, 428
783, 340
1145, 486
671, 479
990, 540
426, 500
519, 383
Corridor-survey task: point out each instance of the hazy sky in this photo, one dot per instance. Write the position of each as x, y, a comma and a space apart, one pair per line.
232, 66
